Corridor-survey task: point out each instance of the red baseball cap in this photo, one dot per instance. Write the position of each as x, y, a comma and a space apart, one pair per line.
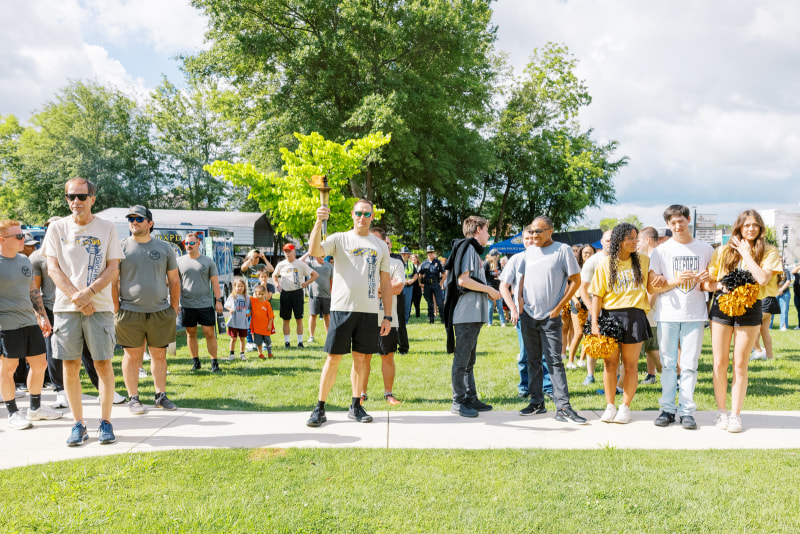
288, 246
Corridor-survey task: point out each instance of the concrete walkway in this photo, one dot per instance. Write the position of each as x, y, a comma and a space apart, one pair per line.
159, 430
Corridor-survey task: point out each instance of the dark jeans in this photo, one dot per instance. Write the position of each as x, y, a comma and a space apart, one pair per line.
542, 338
402, 333
464, 361
796, 305
416, 298
434, 291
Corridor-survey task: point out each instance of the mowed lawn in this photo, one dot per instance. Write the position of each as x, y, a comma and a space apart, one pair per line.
394, 491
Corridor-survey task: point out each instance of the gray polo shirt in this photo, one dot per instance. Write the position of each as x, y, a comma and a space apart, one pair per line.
143, 275
16, 309
472, 306
321, 287
196, 274
546, 271
48, 287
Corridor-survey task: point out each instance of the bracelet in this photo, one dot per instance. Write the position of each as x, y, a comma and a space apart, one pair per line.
93, 291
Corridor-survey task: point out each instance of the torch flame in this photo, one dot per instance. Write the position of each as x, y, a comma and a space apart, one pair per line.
317, 181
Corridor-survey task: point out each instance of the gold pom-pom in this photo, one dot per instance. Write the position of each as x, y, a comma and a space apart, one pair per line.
737, 301
565, 313
583, 315
600, 347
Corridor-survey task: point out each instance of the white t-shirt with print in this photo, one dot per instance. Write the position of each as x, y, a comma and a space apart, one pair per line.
292, 274
358, 262
685, 302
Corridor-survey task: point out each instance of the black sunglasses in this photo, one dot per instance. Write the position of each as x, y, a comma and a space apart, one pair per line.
18, 236
79, 196
136, 219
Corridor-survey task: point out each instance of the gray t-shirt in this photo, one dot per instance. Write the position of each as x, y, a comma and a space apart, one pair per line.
16, 309
321, 287
546, 271
196, 274
143, 275
510, 276
48, 287
472, 306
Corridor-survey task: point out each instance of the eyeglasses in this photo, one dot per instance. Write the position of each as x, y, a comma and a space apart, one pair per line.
366, 214
79, 196
136, 219
20, 237
538, 231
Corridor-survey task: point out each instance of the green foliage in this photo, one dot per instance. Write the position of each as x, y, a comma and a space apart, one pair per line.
611, 222
771, 235
288, 198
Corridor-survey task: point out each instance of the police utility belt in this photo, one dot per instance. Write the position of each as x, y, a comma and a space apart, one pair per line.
427, 281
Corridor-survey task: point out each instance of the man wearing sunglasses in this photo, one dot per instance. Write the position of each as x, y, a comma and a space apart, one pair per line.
83, 254
147, 302
200, 299
360, 274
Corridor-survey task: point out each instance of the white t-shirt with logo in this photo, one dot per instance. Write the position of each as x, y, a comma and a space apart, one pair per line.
292, 274
358, 262
685, 302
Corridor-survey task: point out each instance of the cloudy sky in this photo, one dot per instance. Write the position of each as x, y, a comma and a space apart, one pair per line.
703, 96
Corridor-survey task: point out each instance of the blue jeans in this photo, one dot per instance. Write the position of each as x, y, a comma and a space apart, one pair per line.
542, 338
785, 301
689, 337
522, 365
499, 305
462, 373
408, 293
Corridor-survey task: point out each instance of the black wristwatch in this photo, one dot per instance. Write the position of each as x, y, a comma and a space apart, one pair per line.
387, 318
218, 299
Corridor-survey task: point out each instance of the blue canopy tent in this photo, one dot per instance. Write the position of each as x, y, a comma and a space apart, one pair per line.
510, 246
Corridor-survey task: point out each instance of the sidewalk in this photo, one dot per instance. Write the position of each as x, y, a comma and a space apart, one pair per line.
159, 430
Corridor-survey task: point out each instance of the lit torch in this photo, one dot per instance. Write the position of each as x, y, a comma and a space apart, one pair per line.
321, 183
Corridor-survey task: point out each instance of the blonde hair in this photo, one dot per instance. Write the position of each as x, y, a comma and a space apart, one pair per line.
237, 281
8, 223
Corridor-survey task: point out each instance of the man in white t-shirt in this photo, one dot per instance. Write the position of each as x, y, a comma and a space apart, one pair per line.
360, 274
681, 315
290, 279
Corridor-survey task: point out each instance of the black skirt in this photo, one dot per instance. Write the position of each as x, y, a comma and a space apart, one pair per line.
634, 323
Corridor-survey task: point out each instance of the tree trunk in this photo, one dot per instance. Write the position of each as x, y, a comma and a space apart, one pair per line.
423, 218
368, 183
498, 228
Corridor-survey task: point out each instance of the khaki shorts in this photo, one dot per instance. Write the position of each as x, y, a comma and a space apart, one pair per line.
133, 328
72, 329
652, 343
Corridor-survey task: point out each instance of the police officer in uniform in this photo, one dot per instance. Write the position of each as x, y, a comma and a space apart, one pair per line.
430, 276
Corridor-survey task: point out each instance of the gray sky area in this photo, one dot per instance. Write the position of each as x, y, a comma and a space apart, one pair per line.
703, 96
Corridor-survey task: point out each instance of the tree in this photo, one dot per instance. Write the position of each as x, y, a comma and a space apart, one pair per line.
545, 163
289, 199
610, 222
421, 70
10, 187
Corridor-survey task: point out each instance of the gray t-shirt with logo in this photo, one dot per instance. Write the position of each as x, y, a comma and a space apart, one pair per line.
143, 275
196, 274
16, 309
321, 287
48, 287
472, 306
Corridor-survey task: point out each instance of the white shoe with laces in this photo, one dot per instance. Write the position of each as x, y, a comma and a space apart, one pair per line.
44, 413
17, 421
571, 366
119, 399
609, 415
623, 415
61, 400
722, 421
734, 424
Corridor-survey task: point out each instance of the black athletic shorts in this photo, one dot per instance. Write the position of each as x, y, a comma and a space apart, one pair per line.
388, 344
20, 343
752, 315
770, 305
352, 332
292, 302
198, 316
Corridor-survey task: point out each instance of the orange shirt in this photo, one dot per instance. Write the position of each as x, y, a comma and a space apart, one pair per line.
260, 316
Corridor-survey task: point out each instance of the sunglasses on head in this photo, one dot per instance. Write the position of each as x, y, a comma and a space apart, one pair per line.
136, 219
79, 196
362, 213
18, 236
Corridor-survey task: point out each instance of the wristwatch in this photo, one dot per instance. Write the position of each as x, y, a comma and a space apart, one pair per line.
218, 299
387, 318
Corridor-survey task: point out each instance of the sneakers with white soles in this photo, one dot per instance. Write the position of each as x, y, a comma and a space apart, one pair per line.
623, 415
609, 415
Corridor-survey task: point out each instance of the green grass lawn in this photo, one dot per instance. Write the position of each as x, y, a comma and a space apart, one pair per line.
399, 491
290, 381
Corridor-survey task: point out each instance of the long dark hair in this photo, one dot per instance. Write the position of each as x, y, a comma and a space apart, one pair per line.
580, 254
618, 235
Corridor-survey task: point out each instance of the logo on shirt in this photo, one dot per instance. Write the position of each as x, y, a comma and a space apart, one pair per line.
371, 257
26, 271
92, 245
155, 255
626, 282
685, 263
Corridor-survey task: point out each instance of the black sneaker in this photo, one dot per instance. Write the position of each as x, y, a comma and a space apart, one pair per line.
164, 403
664, 419
287, 345
568, 415
687, 422
463, 410
358, 413
533, 409
214, 366
195, 363
317, 417
476, 404
300, 345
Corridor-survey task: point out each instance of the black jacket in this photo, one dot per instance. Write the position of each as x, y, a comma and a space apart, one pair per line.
454, 291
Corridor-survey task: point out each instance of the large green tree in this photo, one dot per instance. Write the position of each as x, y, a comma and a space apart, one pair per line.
418, 69
11, 190
546, 164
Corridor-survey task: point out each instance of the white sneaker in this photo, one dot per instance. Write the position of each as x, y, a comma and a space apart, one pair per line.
722, 421
61, 400
231, 358
251, 347
623, 415
581, 363
609, 415
311, 339
784, 329
44, 413
19, 393
571, 366
119, 399
734, 424
18, 422
142, 372
758, 355
242, 356
146, 357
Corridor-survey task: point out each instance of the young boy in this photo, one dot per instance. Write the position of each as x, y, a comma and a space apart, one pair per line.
262, 319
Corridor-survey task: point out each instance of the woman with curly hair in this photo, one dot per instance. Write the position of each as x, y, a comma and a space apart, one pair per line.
578, 311
747, 249
619, 290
